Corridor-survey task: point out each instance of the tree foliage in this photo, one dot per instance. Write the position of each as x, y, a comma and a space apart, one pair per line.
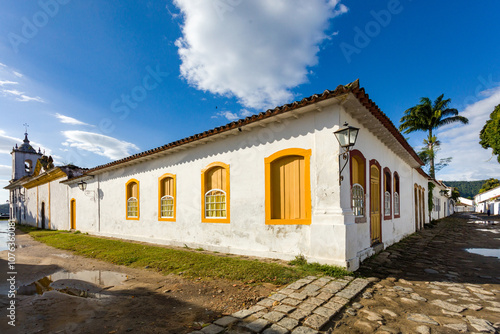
426, 155
428, 116
455, 194
490, 134
489, 184
467, 189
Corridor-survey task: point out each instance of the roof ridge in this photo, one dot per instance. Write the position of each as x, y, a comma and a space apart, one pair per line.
352, 87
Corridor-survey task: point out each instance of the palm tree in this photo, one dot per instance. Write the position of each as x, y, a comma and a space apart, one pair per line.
428, 116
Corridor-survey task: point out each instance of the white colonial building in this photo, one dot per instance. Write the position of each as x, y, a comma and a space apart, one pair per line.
267, 185
489, 200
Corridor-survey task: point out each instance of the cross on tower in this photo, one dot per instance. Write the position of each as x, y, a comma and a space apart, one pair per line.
26, 126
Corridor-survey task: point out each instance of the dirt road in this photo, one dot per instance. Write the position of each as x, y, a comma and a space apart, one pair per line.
116, 299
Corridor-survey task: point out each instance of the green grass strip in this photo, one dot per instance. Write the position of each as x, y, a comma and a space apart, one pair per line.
189, 263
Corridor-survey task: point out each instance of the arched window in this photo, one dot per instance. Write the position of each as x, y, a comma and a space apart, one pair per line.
397, 211
166, 197
215, 193
288, 187
132, 195
387, 194
358, 200
28, 166
358, 185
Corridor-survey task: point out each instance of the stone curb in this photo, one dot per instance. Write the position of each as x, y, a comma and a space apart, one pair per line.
303, 307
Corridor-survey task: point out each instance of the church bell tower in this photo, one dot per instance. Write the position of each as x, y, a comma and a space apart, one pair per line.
24, 159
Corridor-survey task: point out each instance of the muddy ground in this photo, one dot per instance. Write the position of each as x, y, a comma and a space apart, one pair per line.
144, 302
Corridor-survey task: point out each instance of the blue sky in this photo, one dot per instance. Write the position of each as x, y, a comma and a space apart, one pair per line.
97, 81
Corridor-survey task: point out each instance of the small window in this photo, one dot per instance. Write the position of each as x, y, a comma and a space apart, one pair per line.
387, 203
387, 194
132, 209
215, 193
396, 205
396, 196
358, 200
28, 166
358, 185
132, 195
166, 197
215, 204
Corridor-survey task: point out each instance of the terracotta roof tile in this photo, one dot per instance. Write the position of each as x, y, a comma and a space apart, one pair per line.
353, 88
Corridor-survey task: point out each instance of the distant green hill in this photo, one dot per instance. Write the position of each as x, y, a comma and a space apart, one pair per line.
4, 208
467, 189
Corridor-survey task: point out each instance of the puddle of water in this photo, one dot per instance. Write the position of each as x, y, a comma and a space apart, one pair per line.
3, 234
86, 284
486, 230
483, 222
485, 251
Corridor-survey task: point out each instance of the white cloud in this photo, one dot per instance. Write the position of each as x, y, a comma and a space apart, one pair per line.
254, 50
26, 98
7, 143
3, 65
106, 146
7, 82
69, 120
21, 96
461, 142
17, 74
233, 116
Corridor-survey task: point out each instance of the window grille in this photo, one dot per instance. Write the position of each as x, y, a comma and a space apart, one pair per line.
215, 204
396, 204
358, 200
132, 207
387, 203
167, 206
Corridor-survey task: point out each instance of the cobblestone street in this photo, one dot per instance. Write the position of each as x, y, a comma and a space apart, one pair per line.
434, 281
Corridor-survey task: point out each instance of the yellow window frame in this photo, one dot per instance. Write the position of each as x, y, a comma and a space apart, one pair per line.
306, 154
204, 191
174, 195
127, 198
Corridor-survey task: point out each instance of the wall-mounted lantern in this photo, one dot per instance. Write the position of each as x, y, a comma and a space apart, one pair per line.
346, 136
82, 185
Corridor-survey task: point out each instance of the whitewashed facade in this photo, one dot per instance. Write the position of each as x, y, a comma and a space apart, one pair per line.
488, 200
327, 230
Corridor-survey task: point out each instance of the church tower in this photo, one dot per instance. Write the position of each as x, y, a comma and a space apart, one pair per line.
24, 159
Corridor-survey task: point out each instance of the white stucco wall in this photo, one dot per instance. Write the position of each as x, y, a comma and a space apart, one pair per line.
31, 207
247, 232
393, 229
59, 209
86, 207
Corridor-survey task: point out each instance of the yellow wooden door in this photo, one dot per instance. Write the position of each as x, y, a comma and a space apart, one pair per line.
417, 206
73, 214
375, 223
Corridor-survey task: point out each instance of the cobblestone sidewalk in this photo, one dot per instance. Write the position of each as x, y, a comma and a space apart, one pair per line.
303, 307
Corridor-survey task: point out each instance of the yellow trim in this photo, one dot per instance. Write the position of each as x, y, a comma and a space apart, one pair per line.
45, 178
160, 179
72, 213
306, 154
203, 192
49, 206
138, 201
38, 168
37, 207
